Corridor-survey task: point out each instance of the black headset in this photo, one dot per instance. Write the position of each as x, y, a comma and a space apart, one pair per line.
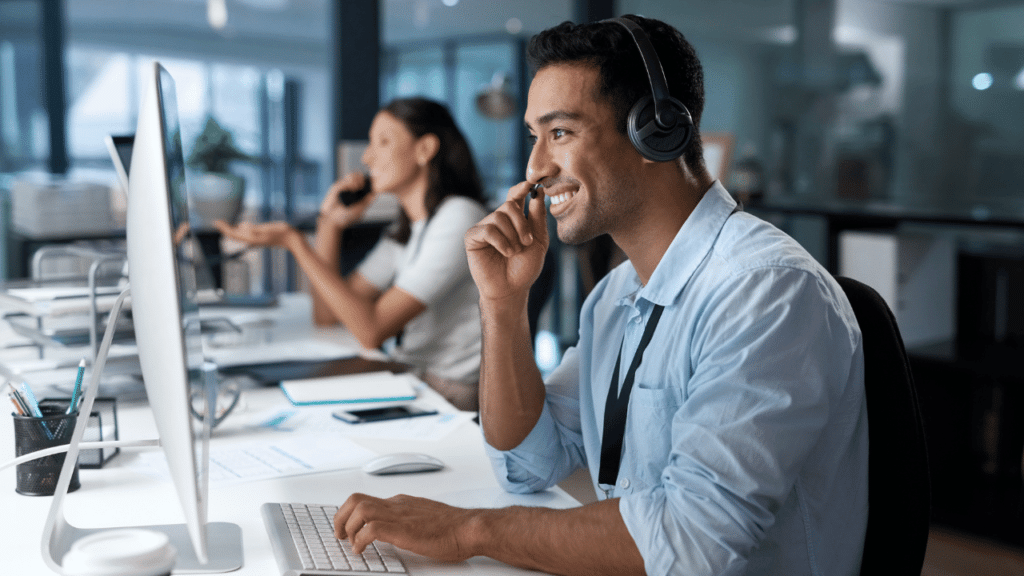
659, 126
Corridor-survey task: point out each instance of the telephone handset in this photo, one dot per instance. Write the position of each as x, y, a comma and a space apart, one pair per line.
350, 197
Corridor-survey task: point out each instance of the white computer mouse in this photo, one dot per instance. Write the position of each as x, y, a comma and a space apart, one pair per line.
402, 462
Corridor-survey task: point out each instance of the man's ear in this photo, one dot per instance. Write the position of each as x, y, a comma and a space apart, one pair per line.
426, 148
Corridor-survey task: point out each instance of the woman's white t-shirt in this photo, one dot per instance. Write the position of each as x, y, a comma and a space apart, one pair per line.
432, 266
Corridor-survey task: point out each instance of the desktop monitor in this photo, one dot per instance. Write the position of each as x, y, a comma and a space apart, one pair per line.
163, 290
162, 284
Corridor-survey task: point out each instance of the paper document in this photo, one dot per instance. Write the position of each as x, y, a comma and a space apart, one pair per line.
290, 455
272, 352
287, 457
351, 388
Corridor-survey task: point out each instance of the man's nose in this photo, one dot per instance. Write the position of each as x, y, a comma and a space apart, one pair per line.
539, 166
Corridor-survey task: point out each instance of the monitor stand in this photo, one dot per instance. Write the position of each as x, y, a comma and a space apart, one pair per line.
224, 539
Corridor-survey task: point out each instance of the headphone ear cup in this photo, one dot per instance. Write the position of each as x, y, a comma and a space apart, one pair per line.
653, 142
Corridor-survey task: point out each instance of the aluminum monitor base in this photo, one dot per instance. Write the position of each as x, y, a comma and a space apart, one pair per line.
224, 540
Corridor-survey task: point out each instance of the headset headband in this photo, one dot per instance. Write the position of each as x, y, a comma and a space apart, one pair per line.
663, 115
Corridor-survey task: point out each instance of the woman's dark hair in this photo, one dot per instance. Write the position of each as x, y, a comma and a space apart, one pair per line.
452, 170
609, 47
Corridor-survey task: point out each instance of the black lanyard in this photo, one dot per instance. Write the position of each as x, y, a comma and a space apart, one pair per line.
617, 405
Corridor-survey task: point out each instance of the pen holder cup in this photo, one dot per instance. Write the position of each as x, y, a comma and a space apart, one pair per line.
39, 477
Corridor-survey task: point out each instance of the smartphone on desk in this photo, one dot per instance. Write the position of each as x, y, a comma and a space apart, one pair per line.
381, 414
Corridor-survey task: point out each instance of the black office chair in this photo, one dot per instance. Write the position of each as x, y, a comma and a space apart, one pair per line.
899, 491
541, 292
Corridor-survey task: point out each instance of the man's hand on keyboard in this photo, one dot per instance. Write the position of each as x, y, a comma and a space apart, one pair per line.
419, 525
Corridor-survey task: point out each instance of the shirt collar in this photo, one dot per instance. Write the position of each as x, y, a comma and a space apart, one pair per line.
688, 249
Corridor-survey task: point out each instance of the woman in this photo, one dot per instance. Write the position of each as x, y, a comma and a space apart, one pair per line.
415, 284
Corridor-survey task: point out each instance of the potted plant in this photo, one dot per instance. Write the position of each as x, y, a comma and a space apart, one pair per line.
216, 193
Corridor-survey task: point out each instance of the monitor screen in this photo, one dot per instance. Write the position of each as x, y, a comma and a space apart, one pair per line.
187, 267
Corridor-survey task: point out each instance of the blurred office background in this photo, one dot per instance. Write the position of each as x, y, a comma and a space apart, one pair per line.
890, 131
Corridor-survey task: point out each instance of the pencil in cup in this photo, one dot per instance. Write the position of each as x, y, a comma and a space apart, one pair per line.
31, 433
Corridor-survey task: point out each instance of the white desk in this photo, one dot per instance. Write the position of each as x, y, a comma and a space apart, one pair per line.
117, 495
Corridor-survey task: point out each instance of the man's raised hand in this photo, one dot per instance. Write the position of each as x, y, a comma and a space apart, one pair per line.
506, 249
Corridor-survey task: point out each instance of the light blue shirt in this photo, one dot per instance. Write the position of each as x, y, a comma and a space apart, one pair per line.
746, 446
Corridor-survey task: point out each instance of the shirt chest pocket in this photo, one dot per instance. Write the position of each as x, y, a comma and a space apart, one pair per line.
648, 441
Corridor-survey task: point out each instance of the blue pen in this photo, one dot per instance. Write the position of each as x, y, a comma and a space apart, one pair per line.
30, 399
33, 406
78, 387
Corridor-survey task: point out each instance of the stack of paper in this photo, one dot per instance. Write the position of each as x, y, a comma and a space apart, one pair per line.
57, 300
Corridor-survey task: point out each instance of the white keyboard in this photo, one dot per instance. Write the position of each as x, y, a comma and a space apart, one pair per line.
302, 536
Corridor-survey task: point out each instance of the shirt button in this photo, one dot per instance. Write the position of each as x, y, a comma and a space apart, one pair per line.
624, 483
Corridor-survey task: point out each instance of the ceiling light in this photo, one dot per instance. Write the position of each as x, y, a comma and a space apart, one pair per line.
514, 25
450, 3
1018, 82
421, 15
781, 34
217, 13
982, 81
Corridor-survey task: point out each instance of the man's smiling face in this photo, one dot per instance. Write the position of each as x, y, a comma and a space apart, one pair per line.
588, 168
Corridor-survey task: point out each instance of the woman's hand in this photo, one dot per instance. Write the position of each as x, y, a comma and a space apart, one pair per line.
335, 214
266, 234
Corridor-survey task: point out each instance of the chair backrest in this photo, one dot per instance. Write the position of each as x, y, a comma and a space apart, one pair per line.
899, 491
541, 292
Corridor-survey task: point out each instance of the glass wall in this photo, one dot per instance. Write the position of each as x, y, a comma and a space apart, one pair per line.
241, 97
913, 103
894, 101
478, 79
487, 106
24, 130
986, 105
104, 98
467, 55
415, 71
263, 76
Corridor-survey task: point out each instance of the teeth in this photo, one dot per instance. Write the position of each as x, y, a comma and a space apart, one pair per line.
562, 197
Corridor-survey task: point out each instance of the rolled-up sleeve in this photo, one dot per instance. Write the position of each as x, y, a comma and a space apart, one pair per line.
554, 447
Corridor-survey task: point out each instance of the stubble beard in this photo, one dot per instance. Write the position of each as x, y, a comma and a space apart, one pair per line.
597, 217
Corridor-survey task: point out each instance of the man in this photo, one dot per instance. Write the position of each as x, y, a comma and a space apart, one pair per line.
744, 448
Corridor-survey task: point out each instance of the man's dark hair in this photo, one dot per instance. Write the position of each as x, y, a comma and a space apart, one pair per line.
609, 47
452, 170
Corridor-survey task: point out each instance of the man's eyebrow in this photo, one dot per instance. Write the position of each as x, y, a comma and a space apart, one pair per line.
555, 115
